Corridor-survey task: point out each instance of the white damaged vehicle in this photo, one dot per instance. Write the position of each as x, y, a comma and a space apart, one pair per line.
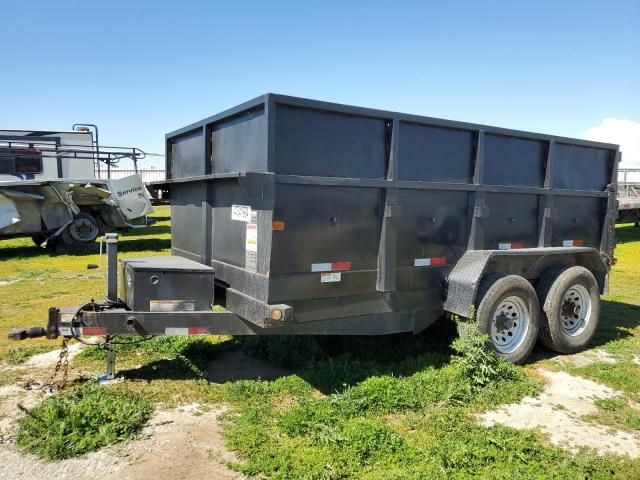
50, 190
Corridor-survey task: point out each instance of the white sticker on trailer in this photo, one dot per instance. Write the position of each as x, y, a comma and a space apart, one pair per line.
172, 305
65, 331
422, 262
251, 247
251, 244
176, 331
241, 213
330, 277
320, 267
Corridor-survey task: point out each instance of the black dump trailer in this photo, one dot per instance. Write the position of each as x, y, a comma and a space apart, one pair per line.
305, 217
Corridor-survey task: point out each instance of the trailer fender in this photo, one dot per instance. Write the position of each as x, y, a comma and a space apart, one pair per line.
530, 263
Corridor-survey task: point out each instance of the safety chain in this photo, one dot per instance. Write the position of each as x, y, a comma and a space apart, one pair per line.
63, 362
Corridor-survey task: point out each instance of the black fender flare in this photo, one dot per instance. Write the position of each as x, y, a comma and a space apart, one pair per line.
531, 263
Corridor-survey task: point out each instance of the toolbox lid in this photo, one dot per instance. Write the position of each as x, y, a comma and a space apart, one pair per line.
169, 263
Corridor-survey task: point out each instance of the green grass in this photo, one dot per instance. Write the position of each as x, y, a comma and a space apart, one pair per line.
616, 413
400, 406
81, 421
37, 279
406, 418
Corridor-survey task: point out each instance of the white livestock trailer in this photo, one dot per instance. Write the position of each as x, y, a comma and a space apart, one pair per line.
50, 188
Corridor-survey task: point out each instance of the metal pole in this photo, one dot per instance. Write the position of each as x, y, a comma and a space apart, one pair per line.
111, 362
625, 185
112, 266
97, 149
96, 142
109, 376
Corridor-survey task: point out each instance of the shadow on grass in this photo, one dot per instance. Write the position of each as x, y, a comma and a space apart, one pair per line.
627, 233
333, 363
328, 363
616, 321
125, 245
144, 244
190, 361
169, 369
143, 232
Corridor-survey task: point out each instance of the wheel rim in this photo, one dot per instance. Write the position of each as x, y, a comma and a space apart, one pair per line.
575, 311
83, 230
510, 324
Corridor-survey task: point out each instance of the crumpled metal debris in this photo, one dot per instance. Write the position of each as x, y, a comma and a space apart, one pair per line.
54, 203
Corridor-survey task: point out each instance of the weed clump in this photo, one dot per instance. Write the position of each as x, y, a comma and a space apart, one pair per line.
81, 421
477, 364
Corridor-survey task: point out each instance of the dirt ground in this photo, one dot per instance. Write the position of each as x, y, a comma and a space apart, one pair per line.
182, 443
557, 411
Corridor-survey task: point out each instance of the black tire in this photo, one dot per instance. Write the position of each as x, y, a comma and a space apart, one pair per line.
558, 330
84, 229
516, 327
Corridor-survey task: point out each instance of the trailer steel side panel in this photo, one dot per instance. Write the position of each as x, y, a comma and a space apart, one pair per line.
357, 214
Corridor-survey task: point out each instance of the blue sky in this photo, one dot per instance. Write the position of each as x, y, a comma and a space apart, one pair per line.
140, 69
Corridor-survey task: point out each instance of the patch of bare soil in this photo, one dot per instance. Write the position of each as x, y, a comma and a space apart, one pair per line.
178, 444
557, 412
588, 357
49, 359
35, 372
184, 443
236, 365
16, 465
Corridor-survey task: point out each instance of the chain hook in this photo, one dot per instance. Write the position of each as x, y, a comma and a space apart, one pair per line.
63, 362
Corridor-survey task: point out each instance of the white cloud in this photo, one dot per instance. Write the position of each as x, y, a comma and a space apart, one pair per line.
625, 133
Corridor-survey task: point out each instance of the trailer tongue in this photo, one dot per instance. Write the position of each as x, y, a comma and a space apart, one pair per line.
291, 216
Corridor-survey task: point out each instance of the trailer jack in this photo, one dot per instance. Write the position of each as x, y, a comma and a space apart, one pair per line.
110, 376
66, 323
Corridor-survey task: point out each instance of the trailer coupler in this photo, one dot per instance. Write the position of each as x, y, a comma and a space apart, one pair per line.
24, 333
50, 331
65, 323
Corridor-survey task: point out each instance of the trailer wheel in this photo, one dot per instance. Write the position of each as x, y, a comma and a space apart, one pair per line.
570, 301
83, 229
509, 313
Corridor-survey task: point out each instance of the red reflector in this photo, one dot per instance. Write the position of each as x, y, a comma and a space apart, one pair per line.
340, 266
578, 243
517, 245
198, 331
94, 331
438, 261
